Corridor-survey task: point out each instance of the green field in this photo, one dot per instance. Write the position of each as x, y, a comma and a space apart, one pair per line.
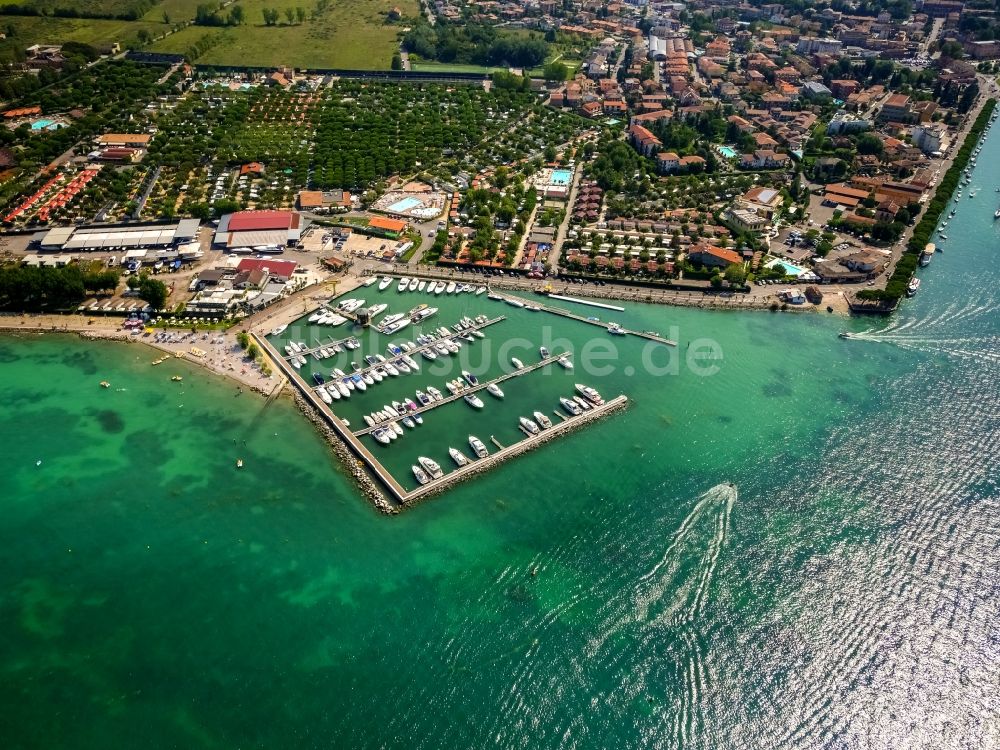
436, 67
30, 30
347, 35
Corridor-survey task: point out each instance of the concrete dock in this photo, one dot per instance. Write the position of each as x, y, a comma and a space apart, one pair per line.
471, 389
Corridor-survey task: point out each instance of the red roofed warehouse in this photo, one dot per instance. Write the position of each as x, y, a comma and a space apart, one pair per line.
276, 269
264, 229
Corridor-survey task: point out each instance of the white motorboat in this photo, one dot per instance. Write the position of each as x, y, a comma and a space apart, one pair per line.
589, 393
391, 369
431, 466
384, 284
583, 403
411, 362
344, 390
425, 313
414, 283
564, 362
473, 400
428, 354
279, 330
377, 309
480, 290
399, 325
477, 447
514, 302
543, 421
494, 390
544, 352
390, 319
369, 282
369, 420
470, 378
450, 289
403, 283
324, 395
458, 457
421, 285
434, 393
439, 287
397, 428
334, 391
315, 316
570, 406
381, 436
530, 426
420, 475
517, 363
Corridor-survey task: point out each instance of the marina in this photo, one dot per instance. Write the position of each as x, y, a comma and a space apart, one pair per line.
389, 482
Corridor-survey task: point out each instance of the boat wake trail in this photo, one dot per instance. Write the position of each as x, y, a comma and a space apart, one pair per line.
672, 596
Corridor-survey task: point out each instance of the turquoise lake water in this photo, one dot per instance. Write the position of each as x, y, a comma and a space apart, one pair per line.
608, 590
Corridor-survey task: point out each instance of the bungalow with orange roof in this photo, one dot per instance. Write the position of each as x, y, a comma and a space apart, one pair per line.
710, 255
643, 140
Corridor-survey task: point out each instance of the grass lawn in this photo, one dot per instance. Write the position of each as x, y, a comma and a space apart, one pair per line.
348, 35
436, 67
35, 30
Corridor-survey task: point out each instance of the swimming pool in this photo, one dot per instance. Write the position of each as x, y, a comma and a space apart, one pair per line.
790, 269
561, 177
44, 125
728, 152
404, 205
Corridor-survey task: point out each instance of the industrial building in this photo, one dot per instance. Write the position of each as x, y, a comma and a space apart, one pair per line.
258, 229
82, 239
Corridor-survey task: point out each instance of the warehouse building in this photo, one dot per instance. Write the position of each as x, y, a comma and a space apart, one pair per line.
258, 229
82, 239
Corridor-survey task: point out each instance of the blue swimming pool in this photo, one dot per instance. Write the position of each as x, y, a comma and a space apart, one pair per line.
790, 269
404, 205
561, 177
44, 124
728, 152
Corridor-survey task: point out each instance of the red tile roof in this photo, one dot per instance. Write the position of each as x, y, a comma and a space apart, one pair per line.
248, 221
284, 268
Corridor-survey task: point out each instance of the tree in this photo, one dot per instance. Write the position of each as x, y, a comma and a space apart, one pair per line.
397, 62
243, 339
290, 15
166, 18
236, 16
736, 275
144, 36
153, 291
300, 14
253, 351
270, 16
555, 71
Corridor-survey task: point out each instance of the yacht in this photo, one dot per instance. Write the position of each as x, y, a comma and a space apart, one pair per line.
425, 313
333, 391
279, 330
434, 393
913, 286
377, 309
529, 426
494, 296
359, 383
480, 290
927, 254
344, 390
544, 352
583, 403
494, 390
396, 428
324, 395
450, 289
421, 285
420, 475
423, 398
439, 287
473, 400
369, 282
430, 466
543, 421
408, 423
428, 354
381, 436
315, 316
477, 447
369, 420
411, 362
565, 363
458, 457
390, 319
517, 363
470, 378
589, 393
570, 406
403, 283
414, 283
399, 325
417, 309
417, 418
514, 302
615, 329
384, 284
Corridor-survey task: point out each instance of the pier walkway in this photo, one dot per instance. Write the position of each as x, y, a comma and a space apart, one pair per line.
343, 431
470, 389
477, 465
648, 335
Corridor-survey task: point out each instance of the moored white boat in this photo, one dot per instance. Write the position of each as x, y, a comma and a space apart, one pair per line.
570, 406
420, 475
494, 390
403, 283
477, 447
458, 457
431, 466
386, 280
528, 425
473, 400
543, 421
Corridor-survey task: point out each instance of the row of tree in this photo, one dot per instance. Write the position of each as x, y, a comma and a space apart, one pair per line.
474, 44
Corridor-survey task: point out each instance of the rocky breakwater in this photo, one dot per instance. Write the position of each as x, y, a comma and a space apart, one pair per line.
355, 467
